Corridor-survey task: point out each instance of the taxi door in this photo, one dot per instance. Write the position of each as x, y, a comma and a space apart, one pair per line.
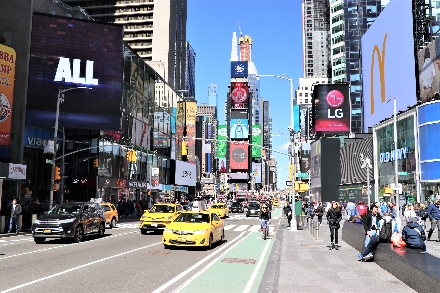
216, 229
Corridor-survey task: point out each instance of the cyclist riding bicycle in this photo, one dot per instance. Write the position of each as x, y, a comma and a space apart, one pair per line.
264, 217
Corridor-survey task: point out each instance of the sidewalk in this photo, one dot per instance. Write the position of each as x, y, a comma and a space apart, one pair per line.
307, 265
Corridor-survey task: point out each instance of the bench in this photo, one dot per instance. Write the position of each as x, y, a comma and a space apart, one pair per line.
420, 271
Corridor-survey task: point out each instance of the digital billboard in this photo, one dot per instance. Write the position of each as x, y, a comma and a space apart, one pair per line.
388, 63
239, 128
141, 131
331, 109
67, 53
256, 140
8, 58
185, 174
162, 129
222, 136
239, 95
239, 159
256, 172
222, 165
239, 69
305, 157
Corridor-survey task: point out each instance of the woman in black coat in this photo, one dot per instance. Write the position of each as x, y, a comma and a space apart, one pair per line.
334, 216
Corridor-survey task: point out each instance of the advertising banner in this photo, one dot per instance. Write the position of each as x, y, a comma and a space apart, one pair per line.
7, 79
222, 134
384, 45
17, 171
161, 130
185, 174
332, 109
239, 95
238, 176
256, 140
305, 119
59, 60
305, 157
296, 125
222, 165
239, 69
256, 172
239, 159
191, 109
141, 131
239, 128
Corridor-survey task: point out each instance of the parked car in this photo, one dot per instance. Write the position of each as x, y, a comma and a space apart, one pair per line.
70, 220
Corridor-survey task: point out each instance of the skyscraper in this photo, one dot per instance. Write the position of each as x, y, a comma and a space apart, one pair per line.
190, 70
267, 130
156, 30
212, 95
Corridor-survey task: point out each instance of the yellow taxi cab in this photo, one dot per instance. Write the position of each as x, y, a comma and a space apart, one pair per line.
159, 216
110, 214
221, 209
275, 202
194, 229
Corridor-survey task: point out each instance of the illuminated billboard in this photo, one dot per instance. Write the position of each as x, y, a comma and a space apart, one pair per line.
239, 128
256, 140
331, 109
67, 53
239, 69
222, 165
222, 136
388, 64
239, 159
8, 58
162, 129
239, 95
256, 172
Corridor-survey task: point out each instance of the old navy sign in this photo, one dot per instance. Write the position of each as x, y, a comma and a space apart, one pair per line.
64, 72
390, 156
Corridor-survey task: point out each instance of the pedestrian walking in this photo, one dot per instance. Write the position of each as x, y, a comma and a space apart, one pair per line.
288, 212
16, 211
414, 235
434, 217
334, 216
320, 213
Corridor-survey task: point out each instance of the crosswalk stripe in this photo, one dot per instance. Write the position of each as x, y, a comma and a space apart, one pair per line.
255, 228
228, 227
241, 228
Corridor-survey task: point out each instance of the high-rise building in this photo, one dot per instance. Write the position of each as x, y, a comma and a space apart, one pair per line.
206, 129
316, 38
156, 30
212, 95
305, 89
267, 130
190, 71
349, 21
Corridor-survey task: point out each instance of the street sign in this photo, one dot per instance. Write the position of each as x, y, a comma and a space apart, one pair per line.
402, 173
302, 175
288, 183
49, 161
65, 176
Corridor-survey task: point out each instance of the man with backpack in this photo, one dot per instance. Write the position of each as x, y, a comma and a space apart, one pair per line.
414, 235
387, 227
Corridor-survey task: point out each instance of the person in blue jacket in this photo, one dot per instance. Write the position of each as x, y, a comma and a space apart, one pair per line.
434, 217
414, 235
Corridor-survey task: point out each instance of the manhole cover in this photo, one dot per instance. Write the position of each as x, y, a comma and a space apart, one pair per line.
239, 260
309, 244
159, 252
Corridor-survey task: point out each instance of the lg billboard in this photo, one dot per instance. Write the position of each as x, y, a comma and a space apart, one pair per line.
68, 53
388, 64
332, 109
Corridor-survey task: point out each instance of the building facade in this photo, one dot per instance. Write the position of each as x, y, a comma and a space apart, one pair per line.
190, 71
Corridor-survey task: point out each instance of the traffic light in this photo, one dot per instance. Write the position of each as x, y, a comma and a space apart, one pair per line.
184, 149
96, 163
57, 173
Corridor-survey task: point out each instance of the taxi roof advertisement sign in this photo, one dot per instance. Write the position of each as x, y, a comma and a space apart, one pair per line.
7, 75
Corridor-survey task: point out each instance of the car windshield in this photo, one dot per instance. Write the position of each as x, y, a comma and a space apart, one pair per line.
236, 204
65, 209
193, 218
217, 206
253, 206
162, 209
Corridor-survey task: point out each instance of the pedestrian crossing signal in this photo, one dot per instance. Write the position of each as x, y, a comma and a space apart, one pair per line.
96, 163
57, 173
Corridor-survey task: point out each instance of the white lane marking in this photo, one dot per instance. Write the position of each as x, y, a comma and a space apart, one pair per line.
257, 268
78, 267
279, 221
241, 228
208, 266
255, 228
196, 265
228, 227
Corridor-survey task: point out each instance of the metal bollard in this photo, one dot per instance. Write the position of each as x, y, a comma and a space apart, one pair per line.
2, 224
317, 232
20, 222
313, 230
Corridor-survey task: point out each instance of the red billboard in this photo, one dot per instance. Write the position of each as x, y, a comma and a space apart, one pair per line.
239, 95
331, 109
239, 159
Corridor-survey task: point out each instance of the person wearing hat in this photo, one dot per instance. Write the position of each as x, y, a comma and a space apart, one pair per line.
414, 235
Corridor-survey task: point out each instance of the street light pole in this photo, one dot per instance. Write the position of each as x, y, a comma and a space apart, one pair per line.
396, 172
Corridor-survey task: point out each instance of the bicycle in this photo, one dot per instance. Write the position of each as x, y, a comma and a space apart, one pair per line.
265, 229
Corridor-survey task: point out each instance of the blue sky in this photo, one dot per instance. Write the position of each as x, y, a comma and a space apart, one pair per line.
276, 31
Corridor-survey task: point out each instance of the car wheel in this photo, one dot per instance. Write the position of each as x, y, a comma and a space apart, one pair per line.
144, 232
166, 246
101, 230
222, 238
78, 234
39, 240
113, 223
210, 242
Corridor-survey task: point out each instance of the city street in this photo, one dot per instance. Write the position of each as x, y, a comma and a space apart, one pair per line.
124, 260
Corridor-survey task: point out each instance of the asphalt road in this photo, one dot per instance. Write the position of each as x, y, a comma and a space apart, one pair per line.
126, 261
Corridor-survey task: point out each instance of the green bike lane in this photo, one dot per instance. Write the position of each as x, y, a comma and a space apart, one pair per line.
219, 276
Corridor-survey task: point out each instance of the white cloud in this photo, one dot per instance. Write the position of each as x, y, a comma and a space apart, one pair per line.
285, 146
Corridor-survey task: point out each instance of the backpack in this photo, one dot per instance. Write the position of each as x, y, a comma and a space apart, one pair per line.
386, 231
312, 212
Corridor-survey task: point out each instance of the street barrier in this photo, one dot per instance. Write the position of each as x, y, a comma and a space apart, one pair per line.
34, 217
317, 231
